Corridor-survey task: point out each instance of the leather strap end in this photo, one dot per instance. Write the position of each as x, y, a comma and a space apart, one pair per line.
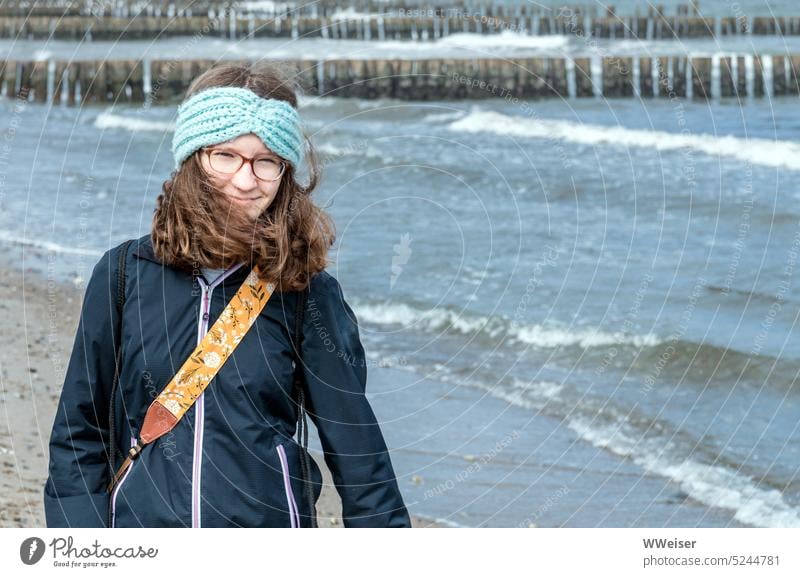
158, 421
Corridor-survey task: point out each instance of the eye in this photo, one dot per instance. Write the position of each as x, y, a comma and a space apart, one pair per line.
267, 161
222, 154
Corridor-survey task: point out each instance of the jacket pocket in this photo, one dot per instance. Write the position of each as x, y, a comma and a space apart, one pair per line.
294, 515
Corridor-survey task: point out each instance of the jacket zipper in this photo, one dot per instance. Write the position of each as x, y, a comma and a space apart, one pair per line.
119, 485
294, 515
202, 328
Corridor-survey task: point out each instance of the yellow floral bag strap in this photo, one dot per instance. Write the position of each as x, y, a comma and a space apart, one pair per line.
201, 366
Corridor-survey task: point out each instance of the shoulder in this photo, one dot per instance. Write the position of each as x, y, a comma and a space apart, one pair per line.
328, 318
323, 285
325, 291
131, 246
108, 265
326, 297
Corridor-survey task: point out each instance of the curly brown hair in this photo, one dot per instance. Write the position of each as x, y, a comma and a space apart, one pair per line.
195, 226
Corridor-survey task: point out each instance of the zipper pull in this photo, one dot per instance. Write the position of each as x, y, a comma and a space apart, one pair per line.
133, 454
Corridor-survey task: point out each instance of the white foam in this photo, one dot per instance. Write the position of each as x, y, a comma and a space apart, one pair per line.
329, 152
540, 389
444, 116
763, 152
442, 318
540, 336
266, 6
711, 485
350, 13
306, 101
436, 319
107, 120
328, 149
505, 39
533, 396
444, 521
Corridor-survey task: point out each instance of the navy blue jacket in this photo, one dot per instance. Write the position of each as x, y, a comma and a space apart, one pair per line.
231, 461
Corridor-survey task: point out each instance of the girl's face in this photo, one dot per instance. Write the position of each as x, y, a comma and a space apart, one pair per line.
242, 187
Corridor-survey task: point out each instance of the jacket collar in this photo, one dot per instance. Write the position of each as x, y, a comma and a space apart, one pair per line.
144, 250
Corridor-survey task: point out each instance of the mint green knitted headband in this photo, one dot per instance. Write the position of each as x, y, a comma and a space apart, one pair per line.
217, 115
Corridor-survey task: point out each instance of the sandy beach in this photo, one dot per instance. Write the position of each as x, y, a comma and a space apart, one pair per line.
40, 318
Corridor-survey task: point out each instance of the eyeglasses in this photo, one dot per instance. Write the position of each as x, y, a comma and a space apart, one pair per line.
229, 162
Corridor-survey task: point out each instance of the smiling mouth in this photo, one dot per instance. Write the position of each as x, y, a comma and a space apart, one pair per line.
245, 199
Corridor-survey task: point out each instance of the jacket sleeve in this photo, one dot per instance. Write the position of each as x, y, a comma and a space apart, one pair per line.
75, 491
354, 448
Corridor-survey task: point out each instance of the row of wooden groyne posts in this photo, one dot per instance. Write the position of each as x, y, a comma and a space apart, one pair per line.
316, 8
164, 81
423, 27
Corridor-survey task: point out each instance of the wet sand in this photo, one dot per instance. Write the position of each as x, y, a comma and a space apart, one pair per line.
40, 318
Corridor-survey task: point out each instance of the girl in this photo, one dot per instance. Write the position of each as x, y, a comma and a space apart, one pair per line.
232, 213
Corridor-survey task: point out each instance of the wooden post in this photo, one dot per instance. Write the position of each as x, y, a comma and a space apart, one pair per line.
355, 78
583, 78
779, 75
558, 77
512, 79
428, 83
728, 25
741, 80
617, 76
136, 80
639, 26
679, 64
760, 25
164, 85
342, 78
645, 77
10, 77
443, 82
663, 76
384, 85
391, 70
86, 72
405, 82
701, 78
485, 68
74, 74
371, 87
513, 76
36, 79
727, 86
793, 88
116, 80
538, 80
58, 82
306, 75
4, 66
758, 77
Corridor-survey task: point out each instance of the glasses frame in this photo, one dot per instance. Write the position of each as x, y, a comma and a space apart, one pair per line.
243, 159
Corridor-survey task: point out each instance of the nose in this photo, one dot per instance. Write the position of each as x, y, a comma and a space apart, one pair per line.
244, 179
